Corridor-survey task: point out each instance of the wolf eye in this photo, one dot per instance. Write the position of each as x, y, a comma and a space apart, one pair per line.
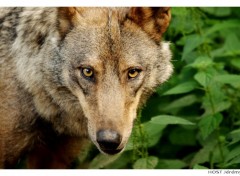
87, 72
133, 73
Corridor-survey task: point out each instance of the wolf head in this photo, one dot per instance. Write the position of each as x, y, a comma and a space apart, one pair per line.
116, 59
107, 62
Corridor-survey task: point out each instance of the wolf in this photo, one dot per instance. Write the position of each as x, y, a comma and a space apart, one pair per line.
70, 74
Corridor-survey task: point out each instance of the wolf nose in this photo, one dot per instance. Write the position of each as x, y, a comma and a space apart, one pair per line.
109, 140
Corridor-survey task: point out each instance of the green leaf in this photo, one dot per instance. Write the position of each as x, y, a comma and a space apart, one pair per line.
203, 78
202, 62
121, 162
203, 155
197, 166
217, 11
167, 120
231, 47
226, 24
171, 164
215, 99
219, 106
146, 163
151, 130
232, 43
101, 161
180, 15
233, 154
183, 11
234, 136
236, 62
231, 79
236, 160
182, 88
182, 102
209, 123
191, 43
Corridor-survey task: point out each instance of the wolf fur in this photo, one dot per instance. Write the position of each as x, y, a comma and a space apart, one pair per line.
49, 105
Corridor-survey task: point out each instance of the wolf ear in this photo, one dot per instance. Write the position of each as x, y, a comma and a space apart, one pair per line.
153, 20
67, 18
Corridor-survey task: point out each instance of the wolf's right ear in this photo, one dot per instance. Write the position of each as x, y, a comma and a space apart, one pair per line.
153, 20
67, 19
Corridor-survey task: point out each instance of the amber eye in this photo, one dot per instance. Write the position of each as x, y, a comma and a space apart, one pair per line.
87, 72
133, 73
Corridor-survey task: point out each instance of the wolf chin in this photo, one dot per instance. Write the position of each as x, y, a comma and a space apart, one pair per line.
69, 74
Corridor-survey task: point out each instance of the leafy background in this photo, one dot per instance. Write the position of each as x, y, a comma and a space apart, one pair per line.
193, 120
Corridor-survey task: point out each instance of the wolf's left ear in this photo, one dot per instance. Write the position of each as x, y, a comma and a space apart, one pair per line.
153, 20
68, 17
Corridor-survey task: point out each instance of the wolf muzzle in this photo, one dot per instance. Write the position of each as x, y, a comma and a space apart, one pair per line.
109, 141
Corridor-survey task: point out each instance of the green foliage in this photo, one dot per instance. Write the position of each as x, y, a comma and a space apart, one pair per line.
167, 119
209, 123
146, 163
193, 121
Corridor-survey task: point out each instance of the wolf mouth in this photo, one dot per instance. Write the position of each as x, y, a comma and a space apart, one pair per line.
111, 152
